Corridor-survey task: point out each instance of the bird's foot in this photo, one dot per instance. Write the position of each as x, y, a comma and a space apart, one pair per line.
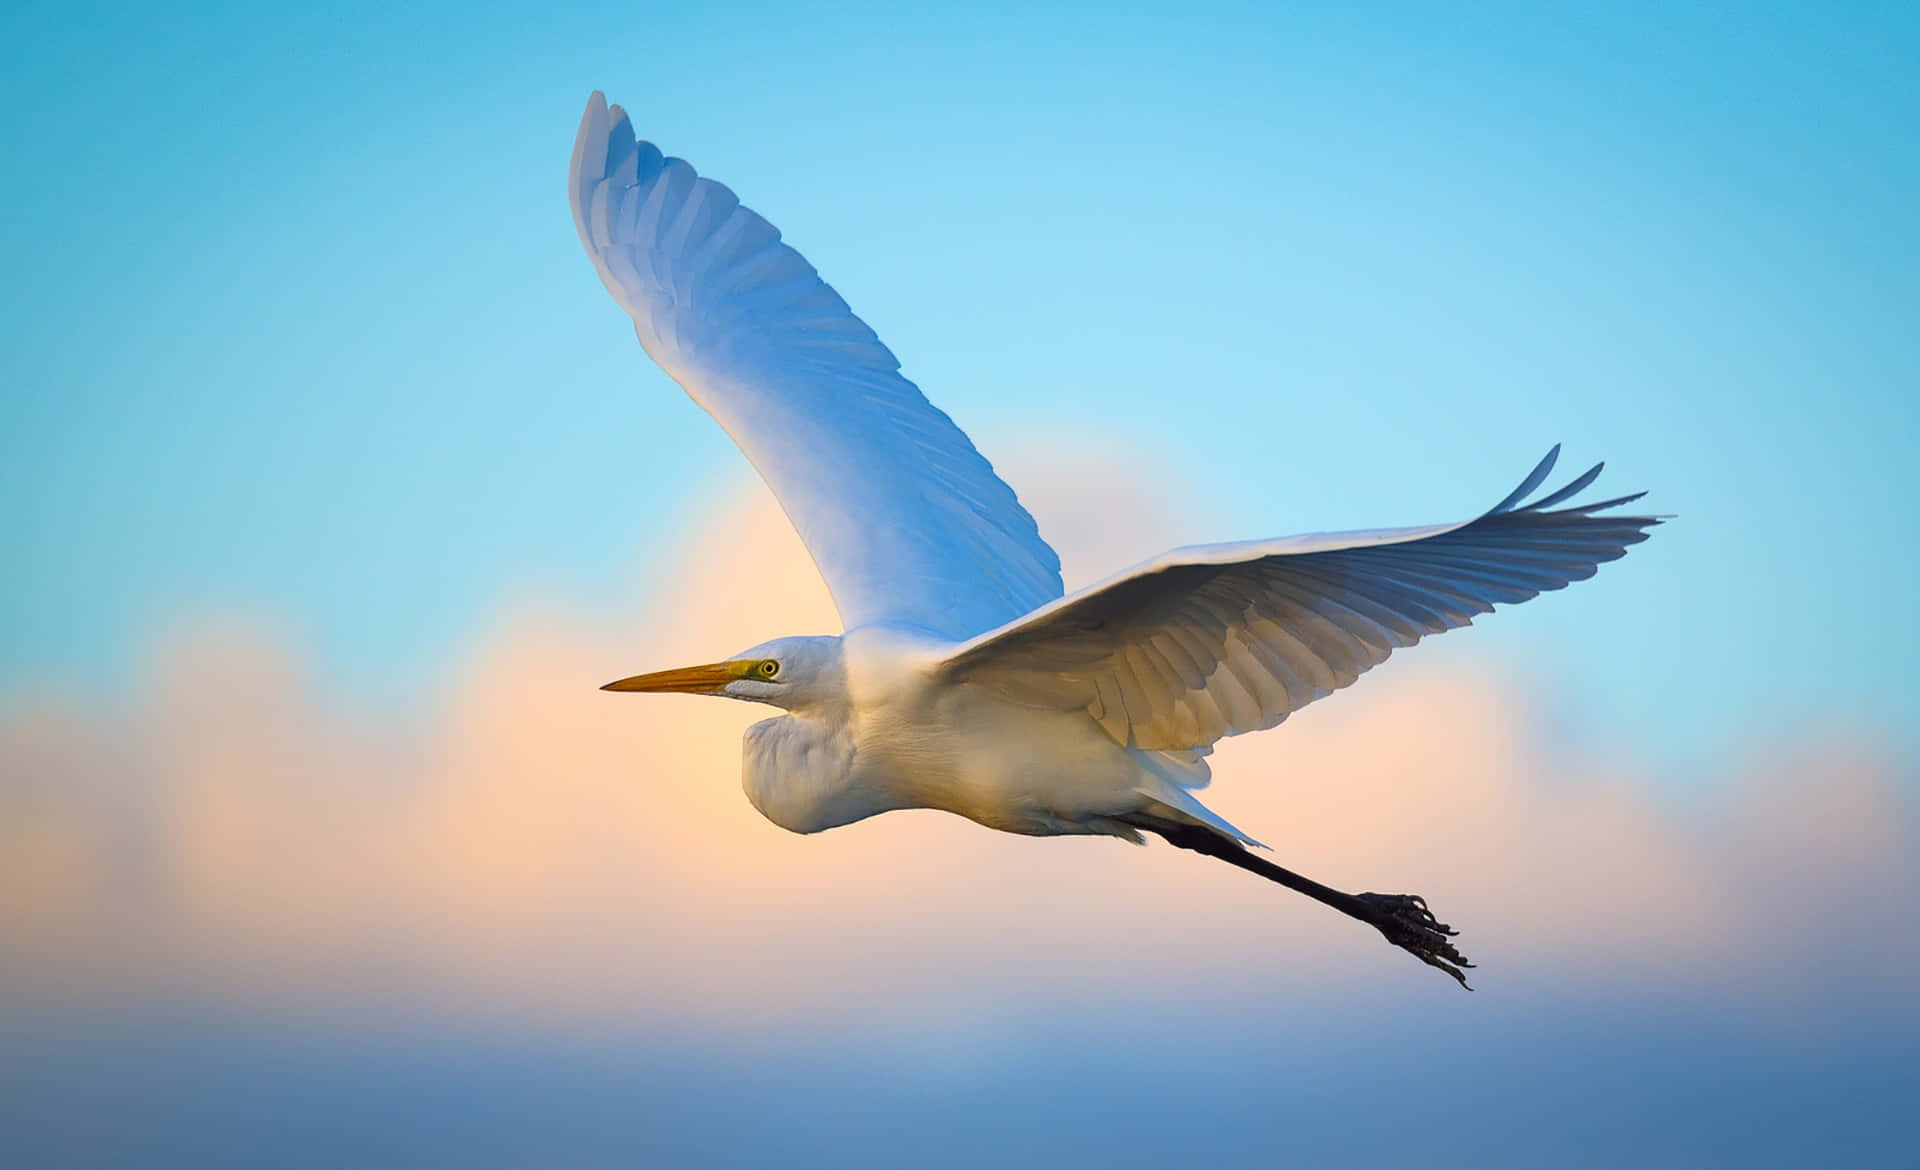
1407, 923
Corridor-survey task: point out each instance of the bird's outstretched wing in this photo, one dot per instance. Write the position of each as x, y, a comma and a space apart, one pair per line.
906, 521
1215, 640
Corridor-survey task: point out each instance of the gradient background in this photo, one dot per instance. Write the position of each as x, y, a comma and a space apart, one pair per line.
334, 484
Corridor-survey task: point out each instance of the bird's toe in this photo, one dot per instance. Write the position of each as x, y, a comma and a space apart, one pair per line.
1407, 923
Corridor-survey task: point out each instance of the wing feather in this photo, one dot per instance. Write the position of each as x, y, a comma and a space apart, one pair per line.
906, 521
1213, 641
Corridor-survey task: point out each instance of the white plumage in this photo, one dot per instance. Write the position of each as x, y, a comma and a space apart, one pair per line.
907, 522
964, 680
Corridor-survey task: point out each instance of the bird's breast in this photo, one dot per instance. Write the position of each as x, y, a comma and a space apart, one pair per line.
800, 773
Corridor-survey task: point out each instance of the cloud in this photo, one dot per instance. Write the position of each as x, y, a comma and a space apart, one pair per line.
528, 848
525, 922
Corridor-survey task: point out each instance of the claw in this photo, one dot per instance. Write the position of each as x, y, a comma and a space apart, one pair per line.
1407, 923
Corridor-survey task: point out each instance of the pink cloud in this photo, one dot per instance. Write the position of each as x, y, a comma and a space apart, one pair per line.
532, 848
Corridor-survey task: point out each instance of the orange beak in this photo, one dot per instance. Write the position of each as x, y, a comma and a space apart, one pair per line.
686, 680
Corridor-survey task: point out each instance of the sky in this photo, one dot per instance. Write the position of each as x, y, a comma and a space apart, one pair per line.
333, 482
299, 323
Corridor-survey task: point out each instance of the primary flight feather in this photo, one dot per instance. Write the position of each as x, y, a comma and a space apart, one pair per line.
964, 681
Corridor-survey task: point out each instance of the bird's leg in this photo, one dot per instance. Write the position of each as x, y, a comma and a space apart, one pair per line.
1403, 918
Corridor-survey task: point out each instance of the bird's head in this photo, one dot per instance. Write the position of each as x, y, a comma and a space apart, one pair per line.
792, 673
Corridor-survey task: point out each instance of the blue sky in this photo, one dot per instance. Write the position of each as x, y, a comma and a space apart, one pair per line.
305, 375
297, 325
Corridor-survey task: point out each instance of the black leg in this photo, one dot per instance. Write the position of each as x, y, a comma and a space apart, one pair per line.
1403, 918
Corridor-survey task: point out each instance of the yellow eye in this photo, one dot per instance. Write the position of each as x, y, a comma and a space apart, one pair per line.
768, 668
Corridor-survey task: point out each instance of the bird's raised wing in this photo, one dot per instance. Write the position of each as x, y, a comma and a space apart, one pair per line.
906, 521
1216, 640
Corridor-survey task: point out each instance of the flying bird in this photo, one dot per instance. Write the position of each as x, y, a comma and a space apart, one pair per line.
965, 680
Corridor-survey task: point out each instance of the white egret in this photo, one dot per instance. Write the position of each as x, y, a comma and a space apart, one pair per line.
965, 681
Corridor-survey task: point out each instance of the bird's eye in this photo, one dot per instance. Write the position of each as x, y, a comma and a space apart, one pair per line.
769, 668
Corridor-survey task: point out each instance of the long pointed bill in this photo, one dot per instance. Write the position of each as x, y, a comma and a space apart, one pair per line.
687, 680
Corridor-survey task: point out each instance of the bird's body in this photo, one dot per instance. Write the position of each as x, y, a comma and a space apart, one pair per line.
966, 681
897, 735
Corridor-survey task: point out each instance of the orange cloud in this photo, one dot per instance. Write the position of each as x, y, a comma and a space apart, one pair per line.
532, 848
